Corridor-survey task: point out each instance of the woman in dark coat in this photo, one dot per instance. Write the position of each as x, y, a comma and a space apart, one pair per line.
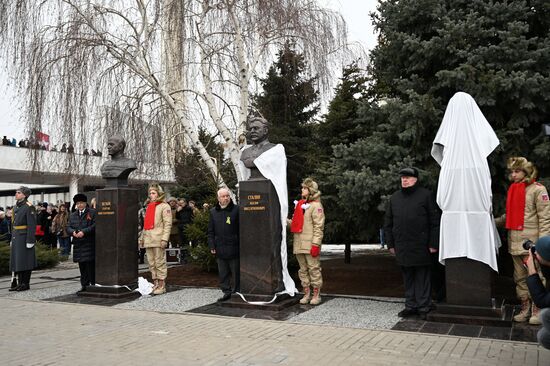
81, 228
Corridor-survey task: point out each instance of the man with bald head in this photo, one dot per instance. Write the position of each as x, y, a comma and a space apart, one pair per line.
223, 241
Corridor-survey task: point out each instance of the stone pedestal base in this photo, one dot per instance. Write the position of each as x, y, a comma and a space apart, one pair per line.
469, 296
469, 282
500, 316
260, 238
282, 302
109, 292
116, 261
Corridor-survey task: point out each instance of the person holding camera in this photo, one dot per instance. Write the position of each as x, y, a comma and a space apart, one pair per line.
540, 254
527, 218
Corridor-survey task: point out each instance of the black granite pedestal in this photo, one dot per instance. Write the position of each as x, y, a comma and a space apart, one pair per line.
260, 245
116, 262
470, 296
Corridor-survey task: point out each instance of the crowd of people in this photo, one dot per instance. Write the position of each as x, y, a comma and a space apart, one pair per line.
51, 222
411, 231
35, 144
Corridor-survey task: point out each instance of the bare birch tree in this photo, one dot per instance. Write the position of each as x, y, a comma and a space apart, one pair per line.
167, 66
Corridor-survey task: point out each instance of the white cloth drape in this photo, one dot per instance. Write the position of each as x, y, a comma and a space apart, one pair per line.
464, 141
272, 165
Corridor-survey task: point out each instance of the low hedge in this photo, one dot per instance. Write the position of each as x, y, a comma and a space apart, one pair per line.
45, 257
197, 233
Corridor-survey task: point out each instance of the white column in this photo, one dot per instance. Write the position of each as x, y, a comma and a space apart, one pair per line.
73, 187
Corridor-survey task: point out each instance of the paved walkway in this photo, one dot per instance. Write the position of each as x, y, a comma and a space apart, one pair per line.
45, 333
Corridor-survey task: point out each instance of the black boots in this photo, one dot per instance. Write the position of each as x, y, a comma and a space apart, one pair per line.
23, 279
226, 296
23, 287
14, 284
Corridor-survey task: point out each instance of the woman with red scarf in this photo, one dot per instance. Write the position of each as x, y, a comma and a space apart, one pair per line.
527, 218
155, 235
307, 225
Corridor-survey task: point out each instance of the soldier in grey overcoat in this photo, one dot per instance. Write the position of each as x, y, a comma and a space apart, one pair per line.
23, 256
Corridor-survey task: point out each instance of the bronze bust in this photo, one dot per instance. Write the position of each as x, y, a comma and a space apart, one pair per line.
117, 170
257, 134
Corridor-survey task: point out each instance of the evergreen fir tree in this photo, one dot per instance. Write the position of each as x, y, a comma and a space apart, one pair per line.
497, 51
341, 125
289, 101
194, 181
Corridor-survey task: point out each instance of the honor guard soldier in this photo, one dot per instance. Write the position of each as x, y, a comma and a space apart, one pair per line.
23, 256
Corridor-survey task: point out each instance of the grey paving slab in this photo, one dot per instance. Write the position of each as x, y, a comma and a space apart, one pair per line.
32, 332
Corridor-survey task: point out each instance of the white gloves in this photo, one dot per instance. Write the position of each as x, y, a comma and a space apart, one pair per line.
30, 245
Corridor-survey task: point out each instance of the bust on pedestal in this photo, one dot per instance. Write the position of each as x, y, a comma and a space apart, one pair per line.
116, 171
469, 240
116, 227
263, 210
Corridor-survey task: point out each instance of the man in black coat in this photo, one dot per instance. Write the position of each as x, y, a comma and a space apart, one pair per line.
223, 241
81, 228
22, 253
411, 225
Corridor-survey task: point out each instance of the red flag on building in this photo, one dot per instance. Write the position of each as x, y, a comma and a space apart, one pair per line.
43, 140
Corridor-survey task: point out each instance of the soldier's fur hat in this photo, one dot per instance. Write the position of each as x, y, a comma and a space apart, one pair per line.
313, 188
519, 162
158, 188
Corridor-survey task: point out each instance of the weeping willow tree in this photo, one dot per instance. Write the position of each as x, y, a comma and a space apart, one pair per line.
156, 71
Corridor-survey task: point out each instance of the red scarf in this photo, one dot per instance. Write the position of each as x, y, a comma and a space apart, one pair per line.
298, 218
515, 206
149, 221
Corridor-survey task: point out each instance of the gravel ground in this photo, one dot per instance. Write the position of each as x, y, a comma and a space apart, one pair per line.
56, 289
176, 301
369, 313
353, 313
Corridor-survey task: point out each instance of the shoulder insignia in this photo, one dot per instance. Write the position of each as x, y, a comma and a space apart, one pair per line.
545, 197
168, 211
319, 210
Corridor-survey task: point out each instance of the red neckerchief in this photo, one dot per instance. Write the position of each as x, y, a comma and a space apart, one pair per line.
515, 206
298, 218
149, 221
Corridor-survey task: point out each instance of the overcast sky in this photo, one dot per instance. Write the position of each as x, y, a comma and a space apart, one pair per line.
355, 12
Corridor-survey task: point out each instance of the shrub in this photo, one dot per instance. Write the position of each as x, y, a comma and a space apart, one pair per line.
4, 258
198, 229
201, 256
197, 232
45, 257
